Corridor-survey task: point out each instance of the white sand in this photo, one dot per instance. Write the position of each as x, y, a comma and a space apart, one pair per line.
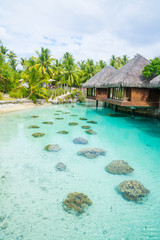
5, 108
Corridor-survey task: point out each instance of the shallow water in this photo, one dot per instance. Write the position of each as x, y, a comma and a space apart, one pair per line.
32, 191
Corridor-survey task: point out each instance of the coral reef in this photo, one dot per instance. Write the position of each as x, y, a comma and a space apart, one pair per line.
90, 131
61, 166
34, 116
66, 112
80, 140
58, 111
49, 123
76, 203
74, 115
94, 122
63, 132
83, 118
56, 114
86, 127
119, 167
58, 118
39, 134
53, 147
73, 123
91, 152
133, 190
33, 126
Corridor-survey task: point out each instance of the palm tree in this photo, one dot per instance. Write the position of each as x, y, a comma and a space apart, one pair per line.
101, 64
125, 59
71, 73
12, 60
34, 89
112, 61
44, 62
58, 70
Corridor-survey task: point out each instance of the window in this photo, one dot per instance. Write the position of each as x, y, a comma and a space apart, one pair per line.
115, 93
89, 91
94, 92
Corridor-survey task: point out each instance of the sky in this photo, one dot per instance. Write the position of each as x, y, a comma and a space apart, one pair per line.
94, 29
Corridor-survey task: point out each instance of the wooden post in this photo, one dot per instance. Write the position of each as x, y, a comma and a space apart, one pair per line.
116, 108
105, 104
96, 103
133, 113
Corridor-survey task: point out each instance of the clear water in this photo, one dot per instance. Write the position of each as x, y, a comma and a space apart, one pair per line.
32, 191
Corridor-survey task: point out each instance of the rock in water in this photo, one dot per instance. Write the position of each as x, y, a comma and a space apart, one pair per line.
34, 116
133, 190
80, 140
119, 167
61, 166
33, 126
36, 135
63, 132
90, 131
94, 122
53, 147
86, 127
50, 123
73, 123
76, 203
83, 119
91, 152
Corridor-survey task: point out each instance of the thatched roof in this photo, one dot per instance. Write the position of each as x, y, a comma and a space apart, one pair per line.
155, 82
130, 75
102, 75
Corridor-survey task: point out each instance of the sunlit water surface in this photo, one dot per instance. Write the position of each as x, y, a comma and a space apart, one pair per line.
32, 191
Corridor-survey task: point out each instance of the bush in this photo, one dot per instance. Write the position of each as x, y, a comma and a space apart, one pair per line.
49, 93
18, 93
0, 96
81, 97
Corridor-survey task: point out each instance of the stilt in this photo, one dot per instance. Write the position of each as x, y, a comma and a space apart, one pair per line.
105, 104
96, 103
116, 108
133, 113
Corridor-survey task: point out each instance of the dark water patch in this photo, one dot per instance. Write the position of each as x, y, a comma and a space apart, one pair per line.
117, 115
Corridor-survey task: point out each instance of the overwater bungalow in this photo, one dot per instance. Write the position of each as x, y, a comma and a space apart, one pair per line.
94, 92
126, 87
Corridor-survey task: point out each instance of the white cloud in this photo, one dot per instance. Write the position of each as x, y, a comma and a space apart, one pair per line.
87, 28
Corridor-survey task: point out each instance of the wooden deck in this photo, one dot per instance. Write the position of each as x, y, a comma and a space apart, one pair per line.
129, 103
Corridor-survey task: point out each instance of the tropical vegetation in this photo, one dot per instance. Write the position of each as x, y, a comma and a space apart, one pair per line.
153, 69
32, 77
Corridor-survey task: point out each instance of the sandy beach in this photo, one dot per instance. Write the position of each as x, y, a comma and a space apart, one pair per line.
6, 108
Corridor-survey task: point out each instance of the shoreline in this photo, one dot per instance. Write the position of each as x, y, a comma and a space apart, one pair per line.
12, 107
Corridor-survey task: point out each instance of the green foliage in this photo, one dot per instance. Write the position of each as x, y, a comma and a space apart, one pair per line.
0, 96
81, 97
18, 93
118, 62
58, 92
153, 69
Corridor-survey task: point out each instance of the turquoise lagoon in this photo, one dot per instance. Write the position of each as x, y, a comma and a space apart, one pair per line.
32, 191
